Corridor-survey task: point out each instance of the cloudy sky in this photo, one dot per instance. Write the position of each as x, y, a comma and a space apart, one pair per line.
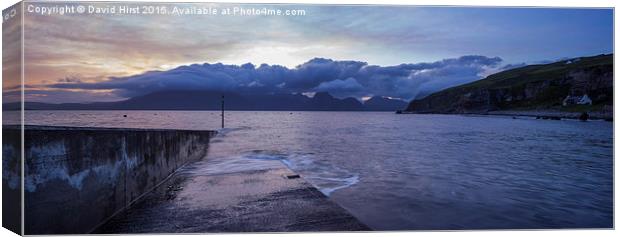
359, 51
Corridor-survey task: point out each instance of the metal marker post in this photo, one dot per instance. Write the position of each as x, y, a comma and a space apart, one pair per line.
222, 111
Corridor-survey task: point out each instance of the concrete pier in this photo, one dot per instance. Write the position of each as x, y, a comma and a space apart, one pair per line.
270, 200
75, 179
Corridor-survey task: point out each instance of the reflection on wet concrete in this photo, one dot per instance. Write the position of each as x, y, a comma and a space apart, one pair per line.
246, 201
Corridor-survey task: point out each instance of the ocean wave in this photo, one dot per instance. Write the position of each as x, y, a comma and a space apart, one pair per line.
326, 177
226, 131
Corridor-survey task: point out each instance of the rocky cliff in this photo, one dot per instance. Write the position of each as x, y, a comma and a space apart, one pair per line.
530, 88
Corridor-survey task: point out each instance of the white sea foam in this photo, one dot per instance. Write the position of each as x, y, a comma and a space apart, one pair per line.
346, 182
225, 131
326, 177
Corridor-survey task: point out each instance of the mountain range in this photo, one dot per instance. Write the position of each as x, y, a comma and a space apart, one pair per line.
543, 87
211, 100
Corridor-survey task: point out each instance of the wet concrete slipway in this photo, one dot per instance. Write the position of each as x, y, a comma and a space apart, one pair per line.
226, 196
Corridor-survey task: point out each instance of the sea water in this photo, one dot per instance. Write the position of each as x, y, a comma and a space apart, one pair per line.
410, 172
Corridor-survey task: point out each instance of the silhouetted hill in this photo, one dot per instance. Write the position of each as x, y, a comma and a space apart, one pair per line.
185, 100
378, 103
325, 101
530, 88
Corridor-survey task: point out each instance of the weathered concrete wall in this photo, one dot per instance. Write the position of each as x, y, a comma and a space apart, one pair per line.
77, 178
11, 178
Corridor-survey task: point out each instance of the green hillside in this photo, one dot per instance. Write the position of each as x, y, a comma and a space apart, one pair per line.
534, 87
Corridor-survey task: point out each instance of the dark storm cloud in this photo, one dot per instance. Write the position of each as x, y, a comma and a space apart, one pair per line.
341, 78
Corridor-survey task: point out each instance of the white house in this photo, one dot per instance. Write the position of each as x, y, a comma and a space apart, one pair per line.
577, 100
585, 100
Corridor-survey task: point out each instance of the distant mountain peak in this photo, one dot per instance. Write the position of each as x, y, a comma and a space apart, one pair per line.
211, 100
323, 94
384, 103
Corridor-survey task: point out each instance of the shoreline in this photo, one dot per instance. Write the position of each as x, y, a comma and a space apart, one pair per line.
553, 115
